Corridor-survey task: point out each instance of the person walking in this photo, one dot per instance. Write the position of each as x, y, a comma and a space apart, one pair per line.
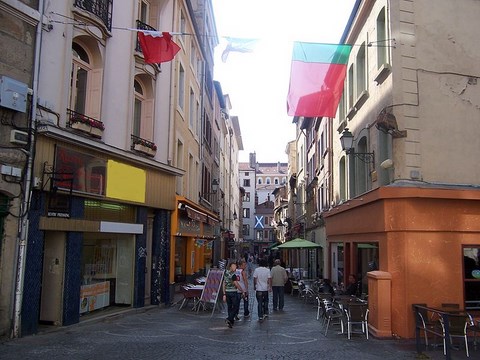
279, 279
231, 286
243, 293
262, 284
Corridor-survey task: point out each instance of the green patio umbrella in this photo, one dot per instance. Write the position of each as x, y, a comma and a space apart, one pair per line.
299, 244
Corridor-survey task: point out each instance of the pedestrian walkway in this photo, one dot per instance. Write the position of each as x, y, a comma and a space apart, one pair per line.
169, 333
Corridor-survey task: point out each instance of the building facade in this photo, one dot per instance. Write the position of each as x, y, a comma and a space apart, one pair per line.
259, 181
405, 206
111, 172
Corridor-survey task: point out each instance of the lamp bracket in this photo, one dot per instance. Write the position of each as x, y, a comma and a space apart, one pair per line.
367, 158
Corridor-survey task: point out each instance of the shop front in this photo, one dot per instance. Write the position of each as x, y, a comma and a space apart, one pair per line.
417, 239
94, 240
194, 230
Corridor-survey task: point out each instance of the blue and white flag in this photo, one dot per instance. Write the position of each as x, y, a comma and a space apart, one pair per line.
239, 45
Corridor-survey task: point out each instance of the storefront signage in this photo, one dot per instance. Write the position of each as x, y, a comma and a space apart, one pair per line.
212, 286
188, 226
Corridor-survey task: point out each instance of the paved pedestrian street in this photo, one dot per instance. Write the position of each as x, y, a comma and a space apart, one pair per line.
169, 333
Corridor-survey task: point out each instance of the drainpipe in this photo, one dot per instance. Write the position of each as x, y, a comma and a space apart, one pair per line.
23, 223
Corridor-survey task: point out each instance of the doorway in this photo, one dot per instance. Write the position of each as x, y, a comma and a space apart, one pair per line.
52, 280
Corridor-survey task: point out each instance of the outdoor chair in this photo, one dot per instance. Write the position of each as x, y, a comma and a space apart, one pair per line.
457, 328
357, 314
473, 328
333, 316
427, 325
294, 287
322, 298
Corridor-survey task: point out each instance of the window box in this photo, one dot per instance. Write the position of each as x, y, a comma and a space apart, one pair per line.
150, 151
87, 125
77, 125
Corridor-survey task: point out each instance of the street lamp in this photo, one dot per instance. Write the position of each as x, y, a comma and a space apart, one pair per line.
214, 186
346, 139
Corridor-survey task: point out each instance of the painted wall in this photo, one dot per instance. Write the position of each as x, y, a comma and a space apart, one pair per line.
420, 233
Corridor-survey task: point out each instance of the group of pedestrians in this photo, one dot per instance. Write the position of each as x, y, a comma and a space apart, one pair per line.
265, 281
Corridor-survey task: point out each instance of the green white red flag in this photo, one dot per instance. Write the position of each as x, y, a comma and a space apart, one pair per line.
157, 47
316, 79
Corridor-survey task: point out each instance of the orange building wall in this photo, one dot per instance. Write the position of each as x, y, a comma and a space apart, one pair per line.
420, 233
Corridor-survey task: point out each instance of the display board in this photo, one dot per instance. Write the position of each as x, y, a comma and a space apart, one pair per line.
212, 287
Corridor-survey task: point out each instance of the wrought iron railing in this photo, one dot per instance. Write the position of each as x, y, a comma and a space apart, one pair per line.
142, 145
142, 26
74, 117
100, 8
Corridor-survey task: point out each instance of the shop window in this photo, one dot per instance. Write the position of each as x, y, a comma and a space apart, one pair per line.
471, 265
107, 268
79, 171
367, 260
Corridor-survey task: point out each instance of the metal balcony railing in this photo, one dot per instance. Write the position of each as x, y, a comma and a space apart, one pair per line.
142, 26
142, 145
100, 8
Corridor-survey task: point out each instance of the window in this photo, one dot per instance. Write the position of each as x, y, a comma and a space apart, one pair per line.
193, 57
181, 87
247, 173
80, 69
343, 179
381, 39
268, 181
143, 11
192, 110
246, 197
137, 108
275, 181
207, 131
198, 119
351, 98
361, 71
246, 230
142, 125
361, 168
259, 181
246, 182
86, 82
471, 266
341, 108
246, 213
183, 25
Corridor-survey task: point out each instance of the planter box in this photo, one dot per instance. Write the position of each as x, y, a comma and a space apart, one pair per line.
144, 149
81, 126
96, 132
88, 129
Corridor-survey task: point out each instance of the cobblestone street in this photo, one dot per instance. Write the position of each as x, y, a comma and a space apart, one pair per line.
169, 333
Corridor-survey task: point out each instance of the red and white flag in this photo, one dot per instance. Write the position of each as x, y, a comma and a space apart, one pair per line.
157, 47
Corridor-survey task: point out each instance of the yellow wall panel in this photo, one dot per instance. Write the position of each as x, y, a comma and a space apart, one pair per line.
125, 182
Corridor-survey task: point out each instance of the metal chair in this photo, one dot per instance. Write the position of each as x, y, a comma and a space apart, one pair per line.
457, 328
333, 316
357, 314
428, 325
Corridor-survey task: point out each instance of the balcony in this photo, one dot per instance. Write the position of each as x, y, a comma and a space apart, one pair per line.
85, 124
143, 146
100, 8
142, 26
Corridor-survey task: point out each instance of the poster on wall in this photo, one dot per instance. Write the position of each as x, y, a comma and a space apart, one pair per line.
212, 287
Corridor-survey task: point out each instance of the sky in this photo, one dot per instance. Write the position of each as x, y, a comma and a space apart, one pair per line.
257, 82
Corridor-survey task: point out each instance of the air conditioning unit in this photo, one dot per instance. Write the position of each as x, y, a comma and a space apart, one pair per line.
19, 137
